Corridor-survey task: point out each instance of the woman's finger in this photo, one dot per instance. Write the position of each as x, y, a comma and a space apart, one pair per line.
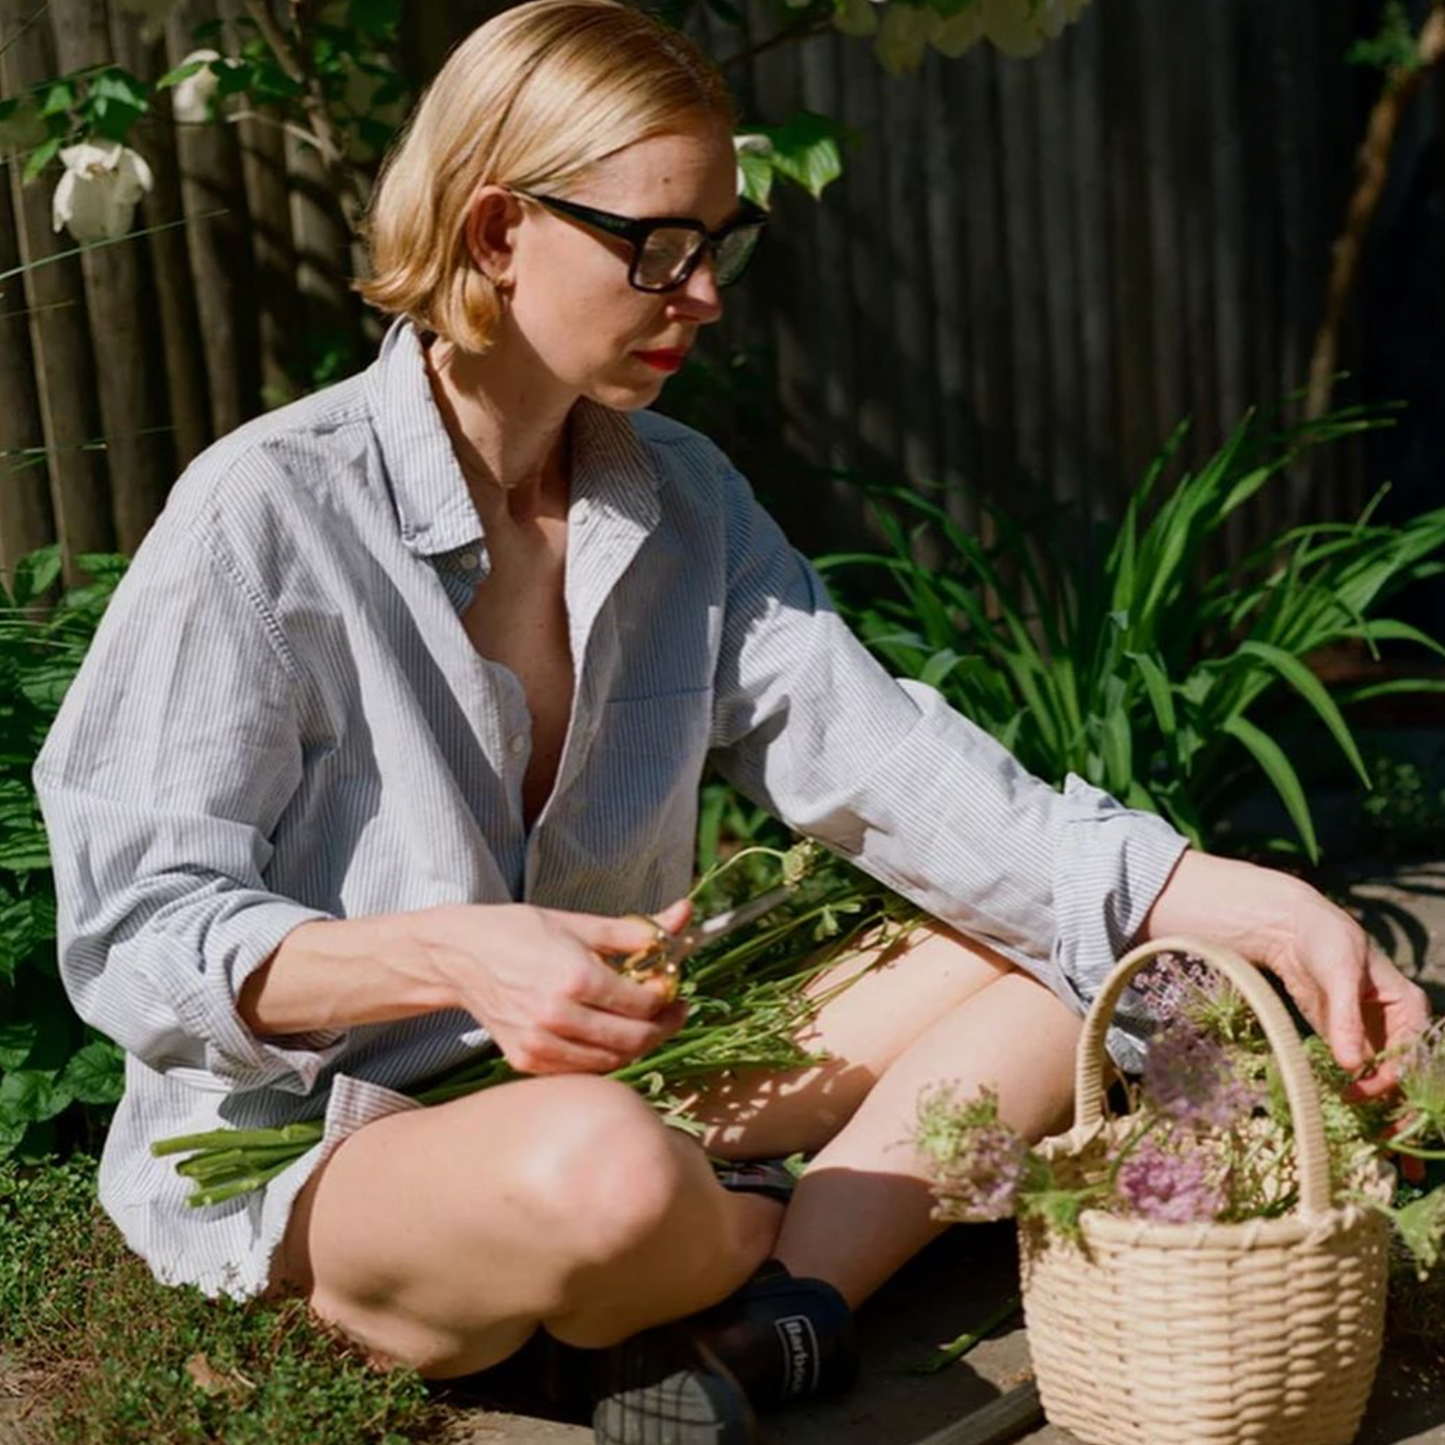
1343, 985
602, 934
600, 1029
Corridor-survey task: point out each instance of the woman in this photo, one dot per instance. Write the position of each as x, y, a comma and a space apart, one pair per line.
406, 698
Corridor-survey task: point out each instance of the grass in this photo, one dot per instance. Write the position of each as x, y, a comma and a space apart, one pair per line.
120, 1359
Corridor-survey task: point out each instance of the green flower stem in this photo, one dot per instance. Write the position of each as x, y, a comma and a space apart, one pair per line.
1111, 1180
752, 851
945, 1355
1393, 1146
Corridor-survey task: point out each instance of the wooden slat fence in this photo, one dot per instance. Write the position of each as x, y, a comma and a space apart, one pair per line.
1029, 273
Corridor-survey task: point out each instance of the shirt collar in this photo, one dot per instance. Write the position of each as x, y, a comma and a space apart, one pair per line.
611, 468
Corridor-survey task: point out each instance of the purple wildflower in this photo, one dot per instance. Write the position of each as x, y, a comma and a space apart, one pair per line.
977, 1163
982, 1180
1188, 1078
1170, 1188
1169, 981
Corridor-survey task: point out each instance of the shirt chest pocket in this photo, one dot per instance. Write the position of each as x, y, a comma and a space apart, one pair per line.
644, 768
665, 732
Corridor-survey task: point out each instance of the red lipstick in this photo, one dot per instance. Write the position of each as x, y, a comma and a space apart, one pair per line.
669, 360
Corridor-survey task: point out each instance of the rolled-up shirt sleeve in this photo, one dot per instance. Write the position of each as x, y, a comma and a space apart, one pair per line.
807, 723
174, 755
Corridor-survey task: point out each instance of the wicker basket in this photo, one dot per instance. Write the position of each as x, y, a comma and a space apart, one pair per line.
1211, 1334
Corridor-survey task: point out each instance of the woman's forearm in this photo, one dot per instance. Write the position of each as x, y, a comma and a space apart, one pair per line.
333, 973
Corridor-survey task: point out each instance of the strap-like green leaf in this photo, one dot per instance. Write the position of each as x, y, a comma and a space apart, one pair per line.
1313, 691
1278, 769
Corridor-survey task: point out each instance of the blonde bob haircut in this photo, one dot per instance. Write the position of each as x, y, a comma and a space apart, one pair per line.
530, 99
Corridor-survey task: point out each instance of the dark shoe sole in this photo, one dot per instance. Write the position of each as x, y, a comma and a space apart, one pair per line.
699, 1404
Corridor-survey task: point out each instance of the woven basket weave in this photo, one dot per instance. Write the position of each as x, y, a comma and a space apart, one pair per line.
1212, 1334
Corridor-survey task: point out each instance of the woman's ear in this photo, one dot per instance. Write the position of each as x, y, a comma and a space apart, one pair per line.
490, 233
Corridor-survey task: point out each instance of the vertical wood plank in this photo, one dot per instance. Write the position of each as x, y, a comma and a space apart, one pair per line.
177, 339
121, 306
213, 195
59, 336
1096, 454
1121, 74
26, 518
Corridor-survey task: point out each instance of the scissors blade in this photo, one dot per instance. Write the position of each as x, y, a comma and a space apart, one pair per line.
721, 924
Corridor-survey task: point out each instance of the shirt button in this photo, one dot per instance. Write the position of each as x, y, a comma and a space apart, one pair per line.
469, 561
517, 746
581, 512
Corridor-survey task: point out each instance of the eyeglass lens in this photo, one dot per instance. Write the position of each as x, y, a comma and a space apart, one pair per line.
669, 254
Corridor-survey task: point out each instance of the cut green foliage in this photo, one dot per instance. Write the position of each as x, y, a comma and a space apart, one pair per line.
1140, 670
49, 1060
120, 1359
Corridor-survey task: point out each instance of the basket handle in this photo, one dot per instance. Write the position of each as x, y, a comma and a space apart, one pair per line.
1311, 1156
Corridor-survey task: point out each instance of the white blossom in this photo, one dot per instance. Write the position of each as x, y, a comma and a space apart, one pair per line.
192, 97
98, 194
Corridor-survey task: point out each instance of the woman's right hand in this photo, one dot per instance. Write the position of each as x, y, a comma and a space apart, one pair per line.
536, 979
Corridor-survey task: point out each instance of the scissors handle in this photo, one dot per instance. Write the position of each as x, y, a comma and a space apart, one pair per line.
661, 961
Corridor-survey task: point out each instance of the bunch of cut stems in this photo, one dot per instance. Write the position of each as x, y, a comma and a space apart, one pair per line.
748, 1002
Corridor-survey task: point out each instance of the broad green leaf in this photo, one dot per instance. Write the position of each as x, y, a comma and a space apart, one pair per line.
58, 97
30, 1096
95, 1074
16, 1041
1313, 691
41, 157
807, 150
35, 573
756, 167
1278, 769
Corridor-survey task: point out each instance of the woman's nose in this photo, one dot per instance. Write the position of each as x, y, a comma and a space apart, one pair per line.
699, 295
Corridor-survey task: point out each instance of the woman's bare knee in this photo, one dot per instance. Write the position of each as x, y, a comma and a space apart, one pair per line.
441, 1238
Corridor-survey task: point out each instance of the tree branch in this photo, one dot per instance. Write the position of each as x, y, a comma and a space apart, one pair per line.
322, 133
800, 29
1372, 169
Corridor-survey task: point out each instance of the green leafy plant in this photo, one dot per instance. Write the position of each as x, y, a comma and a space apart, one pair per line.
49, 1060
1142, 671
116, 1356
1406, 809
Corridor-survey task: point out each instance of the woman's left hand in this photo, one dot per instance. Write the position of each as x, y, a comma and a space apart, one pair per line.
1348, 991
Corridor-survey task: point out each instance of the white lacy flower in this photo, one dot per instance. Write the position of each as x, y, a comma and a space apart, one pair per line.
153, 14
191, 99
98, 194
903, 35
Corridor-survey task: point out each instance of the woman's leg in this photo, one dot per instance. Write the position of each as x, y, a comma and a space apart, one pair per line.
442, 1238
938, 1009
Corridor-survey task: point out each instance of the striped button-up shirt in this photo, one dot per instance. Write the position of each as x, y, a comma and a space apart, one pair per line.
282, 718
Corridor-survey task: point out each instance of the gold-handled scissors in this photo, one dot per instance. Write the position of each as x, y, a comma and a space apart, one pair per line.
662, 959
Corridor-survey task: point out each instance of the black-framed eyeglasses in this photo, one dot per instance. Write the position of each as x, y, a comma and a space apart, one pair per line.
666, 250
